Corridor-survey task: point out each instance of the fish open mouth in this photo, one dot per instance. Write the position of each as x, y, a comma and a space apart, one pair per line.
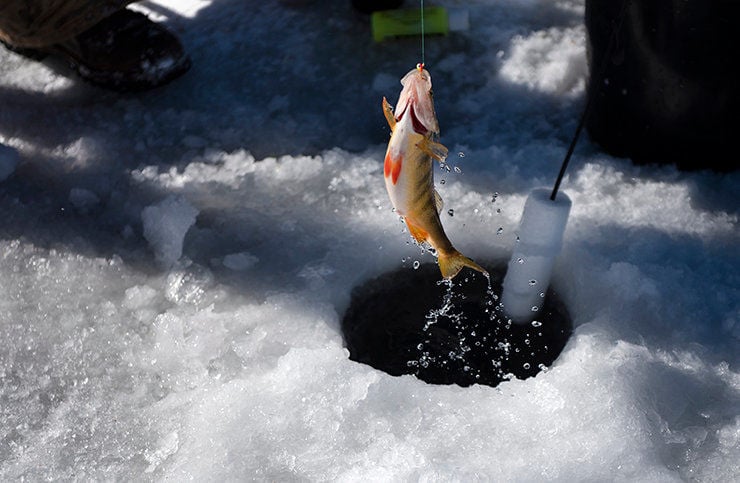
416, 123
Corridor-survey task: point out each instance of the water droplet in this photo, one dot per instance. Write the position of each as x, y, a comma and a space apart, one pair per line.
520, 260
458, 170
535, 308
526, 365
451, 212
533, 282
542, 294
498, 210
420, 346
536, 323
500, 230
442, 181
416, 264
461, 154
493, 198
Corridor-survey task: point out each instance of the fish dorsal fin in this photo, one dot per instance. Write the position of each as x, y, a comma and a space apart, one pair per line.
438, 202
388, 112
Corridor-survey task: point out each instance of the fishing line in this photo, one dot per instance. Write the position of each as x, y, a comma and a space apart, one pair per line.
589, 97
421, 13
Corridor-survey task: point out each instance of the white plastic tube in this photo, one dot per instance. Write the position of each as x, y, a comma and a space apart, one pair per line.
530, 268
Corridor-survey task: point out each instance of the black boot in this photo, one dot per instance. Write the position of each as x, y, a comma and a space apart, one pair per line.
123, 52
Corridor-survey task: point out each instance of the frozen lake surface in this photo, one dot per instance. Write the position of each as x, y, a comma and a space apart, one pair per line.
174, 265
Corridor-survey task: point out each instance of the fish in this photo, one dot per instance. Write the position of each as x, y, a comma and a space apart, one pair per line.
408, 169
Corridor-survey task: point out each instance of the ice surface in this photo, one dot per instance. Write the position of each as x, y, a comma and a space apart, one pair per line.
116, 367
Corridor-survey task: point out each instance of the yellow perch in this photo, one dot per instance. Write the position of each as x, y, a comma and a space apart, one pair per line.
408, 172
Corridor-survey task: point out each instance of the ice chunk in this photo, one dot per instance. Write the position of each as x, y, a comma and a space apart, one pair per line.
9, 160
167, 447
139, 296
165, 226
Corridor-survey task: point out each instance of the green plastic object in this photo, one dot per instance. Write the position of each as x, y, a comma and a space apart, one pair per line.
407, 21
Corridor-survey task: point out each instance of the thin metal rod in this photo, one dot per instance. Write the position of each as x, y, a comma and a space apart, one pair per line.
589, 98
571, 148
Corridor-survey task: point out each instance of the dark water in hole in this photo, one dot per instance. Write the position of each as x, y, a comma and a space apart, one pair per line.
407, 322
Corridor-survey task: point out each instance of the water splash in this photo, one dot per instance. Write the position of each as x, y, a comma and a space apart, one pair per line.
464, 336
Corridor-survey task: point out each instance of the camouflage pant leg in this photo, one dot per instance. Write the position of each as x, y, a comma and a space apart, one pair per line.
39, 23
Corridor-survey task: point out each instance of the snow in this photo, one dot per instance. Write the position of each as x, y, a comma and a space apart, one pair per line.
174, 265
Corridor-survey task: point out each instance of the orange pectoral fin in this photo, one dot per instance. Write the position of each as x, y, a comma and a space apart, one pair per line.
433, 149
419, 234
392, 167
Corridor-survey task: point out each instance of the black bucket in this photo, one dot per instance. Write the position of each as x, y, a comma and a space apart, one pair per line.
666, 91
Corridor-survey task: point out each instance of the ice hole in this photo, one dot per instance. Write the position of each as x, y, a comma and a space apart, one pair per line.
407, 322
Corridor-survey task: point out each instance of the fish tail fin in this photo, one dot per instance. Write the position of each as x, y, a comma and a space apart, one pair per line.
451, 263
